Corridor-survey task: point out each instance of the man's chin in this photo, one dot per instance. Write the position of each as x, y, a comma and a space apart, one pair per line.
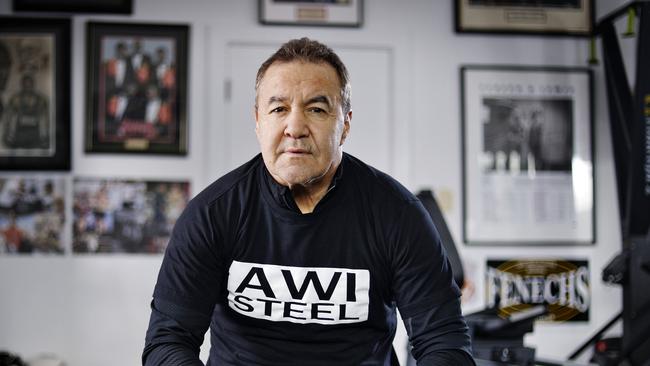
295, 176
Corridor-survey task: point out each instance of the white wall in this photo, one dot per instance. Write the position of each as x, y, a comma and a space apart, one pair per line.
93, 310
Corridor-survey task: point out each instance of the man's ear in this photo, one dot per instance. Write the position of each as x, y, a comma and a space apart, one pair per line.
256, 116
346, 126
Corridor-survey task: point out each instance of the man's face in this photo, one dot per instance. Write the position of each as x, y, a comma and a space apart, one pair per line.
299, 121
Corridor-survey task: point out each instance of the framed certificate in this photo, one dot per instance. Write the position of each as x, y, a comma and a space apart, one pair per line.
550, 17
337, 13
527, 150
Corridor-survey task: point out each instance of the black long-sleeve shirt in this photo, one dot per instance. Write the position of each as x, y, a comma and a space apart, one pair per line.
277, 287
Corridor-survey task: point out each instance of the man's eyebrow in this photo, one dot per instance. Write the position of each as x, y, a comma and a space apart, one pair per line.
276, 99
319, 99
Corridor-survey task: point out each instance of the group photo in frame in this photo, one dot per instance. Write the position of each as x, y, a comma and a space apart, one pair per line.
34, 93
527, 147
136, 88
550, 17
336, 13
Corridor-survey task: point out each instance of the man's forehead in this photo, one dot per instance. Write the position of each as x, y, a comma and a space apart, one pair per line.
301, 72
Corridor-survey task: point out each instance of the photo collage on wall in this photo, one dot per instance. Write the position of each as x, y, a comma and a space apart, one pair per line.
136, 104
109, 215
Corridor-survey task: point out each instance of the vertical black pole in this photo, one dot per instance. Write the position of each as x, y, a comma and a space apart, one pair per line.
638, 200
636, 298
621, 116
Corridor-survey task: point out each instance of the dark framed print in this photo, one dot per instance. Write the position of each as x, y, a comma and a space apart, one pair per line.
136, 88
34, 94
558, 17
75, 6
340, 13
527, 147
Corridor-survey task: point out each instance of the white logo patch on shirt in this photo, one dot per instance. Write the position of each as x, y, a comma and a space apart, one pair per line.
299, 294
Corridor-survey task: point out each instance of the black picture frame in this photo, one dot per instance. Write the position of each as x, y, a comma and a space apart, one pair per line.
533, 17
136, 88
74, 6
527, 155
35, 93
328, 13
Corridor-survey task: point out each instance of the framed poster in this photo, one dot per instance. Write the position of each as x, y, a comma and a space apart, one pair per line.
32, 215
34, 94
125, 216
527, 150
552, 17
340, 13
137, 88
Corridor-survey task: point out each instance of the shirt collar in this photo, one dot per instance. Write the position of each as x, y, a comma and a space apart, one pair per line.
283, 196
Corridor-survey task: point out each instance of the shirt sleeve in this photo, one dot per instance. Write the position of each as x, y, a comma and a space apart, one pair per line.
448, 358
189, 282
174, 336
425, 292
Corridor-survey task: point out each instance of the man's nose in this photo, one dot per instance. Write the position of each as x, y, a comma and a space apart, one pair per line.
296, 125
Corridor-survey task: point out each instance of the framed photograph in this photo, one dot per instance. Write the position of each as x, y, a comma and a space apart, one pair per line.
75, 6
552, 17
339, 13
527, 147
137, 88
125, 216
32, 215
34, 94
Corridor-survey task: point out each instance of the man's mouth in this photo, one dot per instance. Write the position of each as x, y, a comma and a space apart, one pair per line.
296, 150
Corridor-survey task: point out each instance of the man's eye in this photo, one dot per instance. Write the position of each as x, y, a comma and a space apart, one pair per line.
278, 110
316, 110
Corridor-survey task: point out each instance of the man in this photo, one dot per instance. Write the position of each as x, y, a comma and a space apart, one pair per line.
301, 255
28, 122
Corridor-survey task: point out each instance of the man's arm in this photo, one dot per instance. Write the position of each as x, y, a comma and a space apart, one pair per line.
189, 282
447, 358
432, 332
174, 336
426, 294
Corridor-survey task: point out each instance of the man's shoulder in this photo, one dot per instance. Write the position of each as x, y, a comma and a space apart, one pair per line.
241, 176
378, 183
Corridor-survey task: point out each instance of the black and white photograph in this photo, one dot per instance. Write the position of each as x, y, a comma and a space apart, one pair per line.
34, 90
545, 17
527, 155
335, 13
125, 216
137, 82
32, 215
523, 136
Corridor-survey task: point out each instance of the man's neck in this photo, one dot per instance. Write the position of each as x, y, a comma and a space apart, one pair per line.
308, 195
